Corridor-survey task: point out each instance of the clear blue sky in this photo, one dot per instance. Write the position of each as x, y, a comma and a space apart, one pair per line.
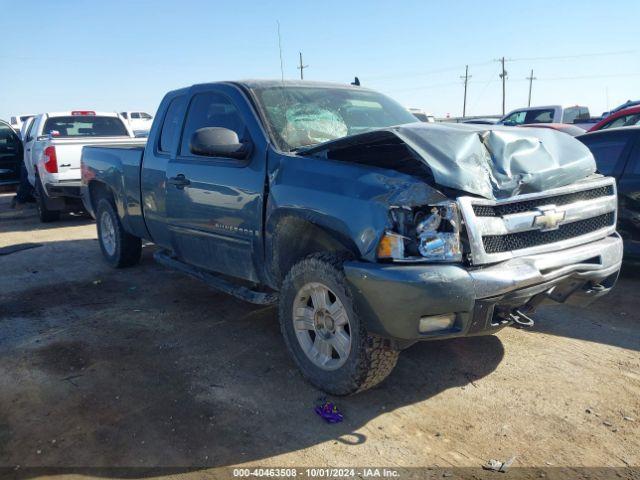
124, 55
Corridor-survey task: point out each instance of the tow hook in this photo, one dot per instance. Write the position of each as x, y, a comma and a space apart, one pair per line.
521, 319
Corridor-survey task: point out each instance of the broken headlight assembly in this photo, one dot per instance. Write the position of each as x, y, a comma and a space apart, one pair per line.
430, 233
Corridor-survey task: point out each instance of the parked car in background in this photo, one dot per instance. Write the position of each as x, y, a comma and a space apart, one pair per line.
617, 153
10, 155
626, 117
572, 130
17, 121
481, 121
139, 122
576, 115
422, 115
627, 104
254, 204
53, 144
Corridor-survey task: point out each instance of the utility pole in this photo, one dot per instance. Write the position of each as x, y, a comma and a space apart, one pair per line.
531, 78
503, 76
302, 67
466, 81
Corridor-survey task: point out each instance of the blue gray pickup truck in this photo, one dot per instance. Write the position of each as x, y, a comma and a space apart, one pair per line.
371, 231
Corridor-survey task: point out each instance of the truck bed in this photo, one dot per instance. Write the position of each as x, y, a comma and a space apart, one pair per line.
121, 164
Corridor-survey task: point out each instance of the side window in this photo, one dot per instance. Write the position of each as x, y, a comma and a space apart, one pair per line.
210, 110
135, 115
27, 136
607, 150
171, 125
618, 122
124, 115
145, 116
539, 116
516, 118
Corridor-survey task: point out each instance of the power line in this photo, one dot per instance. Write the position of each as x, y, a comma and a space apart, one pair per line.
426, 72
569, 57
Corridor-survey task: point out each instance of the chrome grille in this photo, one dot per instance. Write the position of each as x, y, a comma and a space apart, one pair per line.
519, 207
531, 238
540, 222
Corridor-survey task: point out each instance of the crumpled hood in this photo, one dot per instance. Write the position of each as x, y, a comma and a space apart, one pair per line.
497, 161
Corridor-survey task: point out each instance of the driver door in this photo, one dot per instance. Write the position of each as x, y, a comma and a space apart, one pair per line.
214, 204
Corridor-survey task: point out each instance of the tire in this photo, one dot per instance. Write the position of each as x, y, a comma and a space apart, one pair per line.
119, 248
44, 213
366, 361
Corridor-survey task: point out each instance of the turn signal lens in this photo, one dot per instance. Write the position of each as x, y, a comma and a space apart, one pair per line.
391, 246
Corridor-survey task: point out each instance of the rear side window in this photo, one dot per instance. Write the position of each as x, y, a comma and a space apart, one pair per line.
623, 121
607, 150
84, 126
210, 110
27, 135
171, 125
572, 114
529, 116
539, 116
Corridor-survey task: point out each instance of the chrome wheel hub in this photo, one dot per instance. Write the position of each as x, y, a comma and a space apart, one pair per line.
107, 233
322, 326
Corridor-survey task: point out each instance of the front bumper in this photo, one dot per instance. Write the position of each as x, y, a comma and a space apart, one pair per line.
393, 298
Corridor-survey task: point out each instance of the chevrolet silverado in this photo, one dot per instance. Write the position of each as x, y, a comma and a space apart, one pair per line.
369, 230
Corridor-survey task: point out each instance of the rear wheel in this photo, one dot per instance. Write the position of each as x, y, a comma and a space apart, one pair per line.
44, 213
119, 248
324, 333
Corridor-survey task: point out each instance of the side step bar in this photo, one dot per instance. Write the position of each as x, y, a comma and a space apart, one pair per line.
215, 281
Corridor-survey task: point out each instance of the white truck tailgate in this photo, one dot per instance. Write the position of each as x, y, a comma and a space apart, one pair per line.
69, 151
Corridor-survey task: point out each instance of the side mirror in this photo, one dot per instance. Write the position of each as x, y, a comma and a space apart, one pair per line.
218, 142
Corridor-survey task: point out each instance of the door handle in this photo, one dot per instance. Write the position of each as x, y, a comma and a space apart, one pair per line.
179, 181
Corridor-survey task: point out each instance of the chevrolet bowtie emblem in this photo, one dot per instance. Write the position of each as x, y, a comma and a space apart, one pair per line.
549, 218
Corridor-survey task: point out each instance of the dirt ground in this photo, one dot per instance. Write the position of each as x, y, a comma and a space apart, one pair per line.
145, 367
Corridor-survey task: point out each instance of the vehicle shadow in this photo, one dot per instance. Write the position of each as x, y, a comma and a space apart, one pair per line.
148, 372
612, 319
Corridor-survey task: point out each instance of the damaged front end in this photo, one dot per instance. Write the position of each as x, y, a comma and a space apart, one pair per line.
428, 233
502, 220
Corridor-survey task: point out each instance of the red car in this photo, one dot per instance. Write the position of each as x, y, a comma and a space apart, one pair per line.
623, 118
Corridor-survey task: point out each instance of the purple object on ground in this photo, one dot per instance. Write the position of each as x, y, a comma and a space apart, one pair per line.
329, 412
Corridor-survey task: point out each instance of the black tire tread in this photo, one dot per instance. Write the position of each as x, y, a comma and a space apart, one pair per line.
376, 359
44, 214
129, 247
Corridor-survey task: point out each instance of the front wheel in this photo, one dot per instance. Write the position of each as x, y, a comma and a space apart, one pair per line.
323, 332
119, 248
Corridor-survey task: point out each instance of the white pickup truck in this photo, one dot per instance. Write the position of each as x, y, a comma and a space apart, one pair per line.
574, 114
139, 122
52, 147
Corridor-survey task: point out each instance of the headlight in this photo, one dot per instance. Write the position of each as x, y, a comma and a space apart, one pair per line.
439, 234
430, 233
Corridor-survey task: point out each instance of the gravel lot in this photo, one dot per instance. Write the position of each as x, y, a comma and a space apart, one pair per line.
146, 367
